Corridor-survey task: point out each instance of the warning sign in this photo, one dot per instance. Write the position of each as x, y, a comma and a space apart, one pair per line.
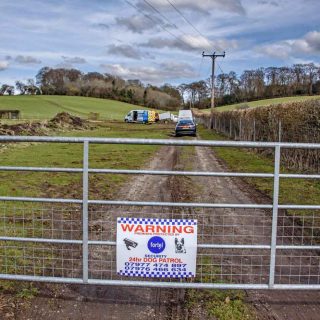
156, 248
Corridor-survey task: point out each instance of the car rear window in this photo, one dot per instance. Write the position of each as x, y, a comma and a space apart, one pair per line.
183, 122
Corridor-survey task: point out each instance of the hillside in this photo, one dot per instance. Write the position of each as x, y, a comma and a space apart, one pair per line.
46, 107
263, 103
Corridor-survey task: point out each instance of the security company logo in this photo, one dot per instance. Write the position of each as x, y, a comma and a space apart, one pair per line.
156, 245
156, 248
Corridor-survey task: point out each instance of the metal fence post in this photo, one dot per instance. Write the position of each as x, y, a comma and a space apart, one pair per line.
254, 129
85, 192
277, 153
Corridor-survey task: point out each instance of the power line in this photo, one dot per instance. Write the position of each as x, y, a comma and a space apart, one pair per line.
185, 19
156, 22
162, 15
220, 68
166, 19
181, 40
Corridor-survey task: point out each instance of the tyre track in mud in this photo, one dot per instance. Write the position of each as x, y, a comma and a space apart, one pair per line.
246, 228
160, 303
115, 302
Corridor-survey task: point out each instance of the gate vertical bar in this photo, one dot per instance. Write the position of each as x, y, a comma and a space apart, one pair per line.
85, 186
277, 153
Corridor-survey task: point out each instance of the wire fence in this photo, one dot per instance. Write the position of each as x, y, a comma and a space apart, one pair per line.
296, 122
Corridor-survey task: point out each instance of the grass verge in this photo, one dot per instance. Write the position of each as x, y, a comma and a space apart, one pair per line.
292, 191
217, 304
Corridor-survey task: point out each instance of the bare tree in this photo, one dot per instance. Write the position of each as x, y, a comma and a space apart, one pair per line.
21, 87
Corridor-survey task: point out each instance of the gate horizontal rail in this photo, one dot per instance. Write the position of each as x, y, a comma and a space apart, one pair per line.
200, 143
164, 173
163, 204
85, 242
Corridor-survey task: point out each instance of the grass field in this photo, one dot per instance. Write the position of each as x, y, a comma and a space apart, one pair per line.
46, 107
70, 155
263, 103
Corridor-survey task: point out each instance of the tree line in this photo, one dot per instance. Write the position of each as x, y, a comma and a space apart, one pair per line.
73, 82
261, 83
28, 87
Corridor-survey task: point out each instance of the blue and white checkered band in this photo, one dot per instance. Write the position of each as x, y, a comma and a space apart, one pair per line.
172, 222
156, 274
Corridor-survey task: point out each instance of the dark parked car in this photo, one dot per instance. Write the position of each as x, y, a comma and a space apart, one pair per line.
186, 128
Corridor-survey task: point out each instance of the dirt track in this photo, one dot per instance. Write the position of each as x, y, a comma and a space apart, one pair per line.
216, 225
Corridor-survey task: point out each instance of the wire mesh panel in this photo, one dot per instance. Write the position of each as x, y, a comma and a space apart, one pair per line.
234, 226
41, 220
38, 259
298, 267
299, 227
233, 266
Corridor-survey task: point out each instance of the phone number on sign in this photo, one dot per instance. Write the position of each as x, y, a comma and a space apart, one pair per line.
141, 266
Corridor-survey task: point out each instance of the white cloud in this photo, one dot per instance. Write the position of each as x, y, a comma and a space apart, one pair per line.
3, 65
190, 42
203, 6
64, 65
128, 51
27, 60
100, 17
163, 72
76, 60
280, 50
308, 44
136, 23
197, 42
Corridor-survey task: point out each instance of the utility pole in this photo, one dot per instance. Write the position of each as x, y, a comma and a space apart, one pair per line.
213, 57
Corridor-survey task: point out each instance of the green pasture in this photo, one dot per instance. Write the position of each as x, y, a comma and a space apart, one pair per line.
46, 107
263, 103
70, 155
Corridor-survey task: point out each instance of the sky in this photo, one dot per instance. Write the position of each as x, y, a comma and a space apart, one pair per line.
156, 41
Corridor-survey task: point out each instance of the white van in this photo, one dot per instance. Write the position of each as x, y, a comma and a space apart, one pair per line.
185, 115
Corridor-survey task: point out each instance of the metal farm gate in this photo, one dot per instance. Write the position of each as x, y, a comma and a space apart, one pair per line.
73, 240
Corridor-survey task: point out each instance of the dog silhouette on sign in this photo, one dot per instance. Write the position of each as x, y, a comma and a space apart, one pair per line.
179, 243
